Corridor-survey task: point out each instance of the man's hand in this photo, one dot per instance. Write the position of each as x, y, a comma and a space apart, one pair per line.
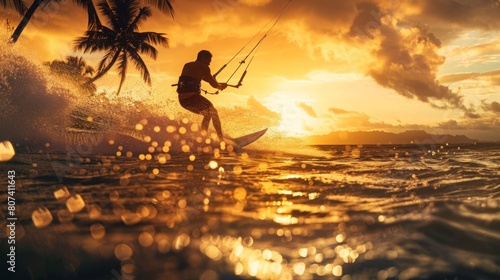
222, 86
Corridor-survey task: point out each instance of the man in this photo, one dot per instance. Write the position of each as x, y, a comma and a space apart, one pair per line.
189, 91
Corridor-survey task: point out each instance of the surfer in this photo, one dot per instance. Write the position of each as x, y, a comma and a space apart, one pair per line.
189, 90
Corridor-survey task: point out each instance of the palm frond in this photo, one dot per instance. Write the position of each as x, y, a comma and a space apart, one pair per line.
93, 19
165, 6
152, 38
141, 66
17, 5
108, 59
143, 14
132, 8
147, 49
122, 70
109, 13
93, 41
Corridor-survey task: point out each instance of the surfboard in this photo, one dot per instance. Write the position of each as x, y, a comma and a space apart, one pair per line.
248, 139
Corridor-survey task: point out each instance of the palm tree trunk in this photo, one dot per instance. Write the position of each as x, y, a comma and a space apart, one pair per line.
24, 22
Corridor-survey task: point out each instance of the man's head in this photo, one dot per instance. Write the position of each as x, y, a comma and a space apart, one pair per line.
204, 56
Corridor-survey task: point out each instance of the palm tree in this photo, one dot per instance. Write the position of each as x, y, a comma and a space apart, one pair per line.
93, 20
122, 41
76, 70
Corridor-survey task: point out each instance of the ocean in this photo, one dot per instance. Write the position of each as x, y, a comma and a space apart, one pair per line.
318, 212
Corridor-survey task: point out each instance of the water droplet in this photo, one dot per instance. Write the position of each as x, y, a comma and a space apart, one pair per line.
181, 242
299, 268
94, 211
337, 270
170, 129
41, 217
237, 170
213, 164
75, 203
240, 193
145, 239
97, 231
123, 252
61, 193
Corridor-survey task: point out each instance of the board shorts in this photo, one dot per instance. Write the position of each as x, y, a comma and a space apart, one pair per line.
195, 103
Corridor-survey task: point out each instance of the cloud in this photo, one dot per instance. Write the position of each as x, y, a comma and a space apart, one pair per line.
338, 111
491, 78
482, 14
493, 107
308, 109
451, 124
262, 110
406, 60
345, 119
490, 124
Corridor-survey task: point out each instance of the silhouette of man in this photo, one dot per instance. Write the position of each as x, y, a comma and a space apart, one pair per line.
189, 90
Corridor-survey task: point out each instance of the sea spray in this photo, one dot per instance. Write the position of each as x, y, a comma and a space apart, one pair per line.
31, 108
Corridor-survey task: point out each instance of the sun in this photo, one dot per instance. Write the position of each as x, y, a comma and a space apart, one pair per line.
293, 119
292, 124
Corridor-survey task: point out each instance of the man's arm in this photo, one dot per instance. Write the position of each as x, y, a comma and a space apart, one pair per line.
207, 77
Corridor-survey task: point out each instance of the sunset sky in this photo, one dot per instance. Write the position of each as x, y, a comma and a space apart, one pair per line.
328, 65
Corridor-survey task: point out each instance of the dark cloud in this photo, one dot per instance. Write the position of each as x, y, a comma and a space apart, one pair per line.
493, 107
470, 113
482, 14
406, 58
451, 124
408, 64
367, 21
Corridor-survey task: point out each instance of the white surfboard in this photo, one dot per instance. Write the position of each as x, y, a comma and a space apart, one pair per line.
248, 139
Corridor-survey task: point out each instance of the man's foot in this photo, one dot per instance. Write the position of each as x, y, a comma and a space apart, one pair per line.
229, 142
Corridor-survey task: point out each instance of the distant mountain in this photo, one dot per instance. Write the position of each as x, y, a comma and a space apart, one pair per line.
381, 137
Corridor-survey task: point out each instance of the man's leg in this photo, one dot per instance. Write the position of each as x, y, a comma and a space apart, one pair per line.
200, 105
206, 120
216, 122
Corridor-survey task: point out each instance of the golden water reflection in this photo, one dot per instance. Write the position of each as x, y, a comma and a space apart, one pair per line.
233, 209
